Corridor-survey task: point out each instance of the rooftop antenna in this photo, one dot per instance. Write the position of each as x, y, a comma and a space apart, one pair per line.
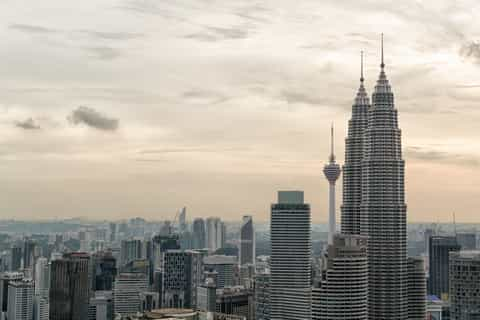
361, 67
383, 62
332, 152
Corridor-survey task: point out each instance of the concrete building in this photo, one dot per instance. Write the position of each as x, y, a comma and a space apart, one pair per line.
5, 279
15, 258
417, 289
199, 234
69, 287
182, 275
464, 285
235, 301
126, 292
131, 250
20, 300
438, 280
290, 285
215, 233
207, 296
101, 306
226, 268
41, 309
247, 241
343, 292
262, 295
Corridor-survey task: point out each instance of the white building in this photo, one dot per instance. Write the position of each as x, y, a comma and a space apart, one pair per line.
126, 292
20, 300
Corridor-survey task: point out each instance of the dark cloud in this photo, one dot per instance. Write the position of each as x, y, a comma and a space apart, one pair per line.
92, 118
471, 51
27, 124
32, 29
104, 53
431, 155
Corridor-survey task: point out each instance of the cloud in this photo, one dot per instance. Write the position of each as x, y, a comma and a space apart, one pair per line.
432, 155
92, 118
112, 35
104, 53
32, 29
27, 124
197, 96
193, 149
471, 50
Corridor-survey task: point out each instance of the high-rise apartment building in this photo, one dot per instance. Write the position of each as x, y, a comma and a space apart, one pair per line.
69, 287
290, 287
247, 241
464, 285
20, 300
182, 275
439, 250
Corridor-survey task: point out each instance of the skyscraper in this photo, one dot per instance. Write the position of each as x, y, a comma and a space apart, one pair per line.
16, 258
262, 295
215, 233
126, 292
464, 285
5, 279
69, 287
332, 173
440, 248
352, 169
182, 274
417, 289
20, 300
131, 250
247, 241
199, 234
226, 267
290, 288
104, 271
383, 212
343, 291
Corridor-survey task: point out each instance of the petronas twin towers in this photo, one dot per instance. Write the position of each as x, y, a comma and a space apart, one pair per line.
374, 197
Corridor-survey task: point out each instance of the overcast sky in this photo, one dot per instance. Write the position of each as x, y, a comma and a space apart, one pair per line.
121, 108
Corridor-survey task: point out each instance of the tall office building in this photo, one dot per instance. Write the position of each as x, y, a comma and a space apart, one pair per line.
417, 289
113, 232
332, 173
247, 241
383, 212
5, 279
16, 258
69, 287
42, 277
104, 271
225, 267
182, 220
352, 169
215, 233
464, 285
131, 250
182, 275
199, 234
126, 292
30, 253
438, 280
290, 287
20, 300
344, 289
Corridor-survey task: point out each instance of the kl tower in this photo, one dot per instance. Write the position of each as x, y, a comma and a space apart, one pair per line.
332, 173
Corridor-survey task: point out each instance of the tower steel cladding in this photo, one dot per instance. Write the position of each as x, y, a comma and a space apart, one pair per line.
383, 211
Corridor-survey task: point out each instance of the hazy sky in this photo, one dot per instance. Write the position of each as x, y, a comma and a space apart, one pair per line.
120, 108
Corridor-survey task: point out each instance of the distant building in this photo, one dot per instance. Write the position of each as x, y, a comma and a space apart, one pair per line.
262, 295
417, 289
131, 250
439, 250
69, 287
468, 241
182, 275
30, 253
247, 241
199, 234
290, 285
126, 292
464, 285
226, 268
101, 306
16, 258
105, 271
215, 233
20, 300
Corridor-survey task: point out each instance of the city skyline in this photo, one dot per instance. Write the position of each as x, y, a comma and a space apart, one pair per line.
143, 107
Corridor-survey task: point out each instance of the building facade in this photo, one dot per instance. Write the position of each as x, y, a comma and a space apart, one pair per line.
20, 300
126, 292
439, 250
417, 289
290, 287
247, 241
199, 234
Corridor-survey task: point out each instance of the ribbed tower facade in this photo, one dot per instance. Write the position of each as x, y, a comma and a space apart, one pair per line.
352, 169
383, 210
